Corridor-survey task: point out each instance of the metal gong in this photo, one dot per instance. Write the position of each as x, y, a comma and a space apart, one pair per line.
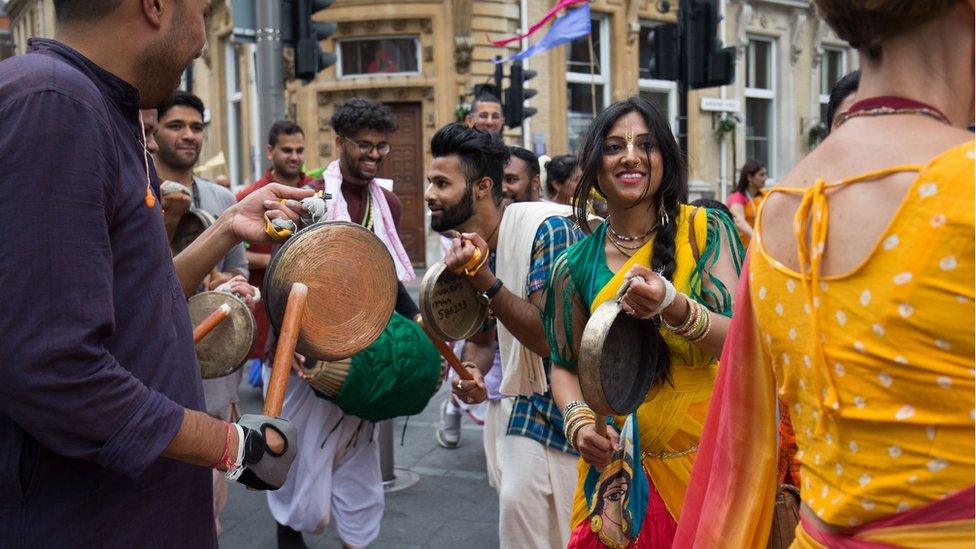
450, 306
616, 360
352, 287
225, 349
193, 223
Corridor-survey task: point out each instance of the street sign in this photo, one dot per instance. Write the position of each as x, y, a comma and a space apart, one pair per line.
715, 104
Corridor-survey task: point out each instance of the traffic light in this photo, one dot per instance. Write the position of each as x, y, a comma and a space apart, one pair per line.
664, 40
304, 34
709, 65
517, 94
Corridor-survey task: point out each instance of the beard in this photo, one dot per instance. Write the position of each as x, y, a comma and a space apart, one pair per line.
452, 217
351, 170
163, 64
170, 158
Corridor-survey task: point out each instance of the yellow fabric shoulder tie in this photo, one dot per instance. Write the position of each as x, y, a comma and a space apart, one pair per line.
810, 225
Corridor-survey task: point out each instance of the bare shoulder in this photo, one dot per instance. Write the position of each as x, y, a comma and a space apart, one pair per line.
863, 146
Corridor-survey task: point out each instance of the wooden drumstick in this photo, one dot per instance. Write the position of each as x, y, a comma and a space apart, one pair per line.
291, 324
601, 426
210, 322
448, 354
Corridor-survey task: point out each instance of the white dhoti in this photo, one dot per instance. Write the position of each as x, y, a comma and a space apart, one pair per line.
536, 495
336, 472
496, 425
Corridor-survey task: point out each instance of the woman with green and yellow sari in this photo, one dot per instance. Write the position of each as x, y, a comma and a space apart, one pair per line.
683, 264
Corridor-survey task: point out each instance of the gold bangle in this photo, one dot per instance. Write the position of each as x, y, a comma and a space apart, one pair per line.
684, 323
705, 331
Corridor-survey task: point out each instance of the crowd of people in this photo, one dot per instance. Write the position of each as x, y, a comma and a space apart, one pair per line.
810, 345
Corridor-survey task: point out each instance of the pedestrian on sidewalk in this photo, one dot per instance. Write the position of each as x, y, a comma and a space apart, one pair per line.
858, 309
521, 182
337, 473
104, 438
536, 465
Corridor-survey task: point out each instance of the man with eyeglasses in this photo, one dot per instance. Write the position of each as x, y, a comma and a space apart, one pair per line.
486, 114
339, 476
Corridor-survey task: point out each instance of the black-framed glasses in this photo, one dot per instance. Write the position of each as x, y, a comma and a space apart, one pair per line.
365, 147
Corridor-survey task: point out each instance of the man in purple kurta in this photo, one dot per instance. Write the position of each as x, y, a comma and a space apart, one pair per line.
101, 440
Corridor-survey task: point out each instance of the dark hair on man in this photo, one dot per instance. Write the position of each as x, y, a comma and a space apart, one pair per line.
181, 98
283, 127
528, 157
558, 169
480, 154
483, 98
357, 114
83, 10
844, 87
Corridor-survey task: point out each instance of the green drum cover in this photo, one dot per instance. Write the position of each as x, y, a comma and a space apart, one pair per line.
395, 376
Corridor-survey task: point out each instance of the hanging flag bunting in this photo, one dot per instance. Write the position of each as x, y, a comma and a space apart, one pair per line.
538, 24
567, 28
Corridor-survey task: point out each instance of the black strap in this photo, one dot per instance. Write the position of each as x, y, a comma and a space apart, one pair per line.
490, 293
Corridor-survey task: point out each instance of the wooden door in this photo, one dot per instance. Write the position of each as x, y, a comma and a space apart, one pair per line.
405, 166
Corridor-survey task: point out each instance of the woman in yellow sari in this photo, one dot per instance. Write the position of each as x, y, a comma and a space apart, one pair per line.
856, 307
683, 263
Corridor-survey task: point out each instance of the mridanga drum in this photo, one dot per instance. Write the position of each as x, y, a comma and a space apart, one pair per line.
450, 306
395, 376
225, 348
617, 360
351, 282
193, 223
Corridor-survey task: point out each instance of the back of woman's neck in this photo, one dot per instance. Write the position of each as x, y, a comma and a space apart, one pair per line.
936, 70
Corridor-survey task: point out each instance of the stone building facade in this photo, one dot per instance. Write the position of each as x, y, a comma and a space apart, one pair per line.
422, 57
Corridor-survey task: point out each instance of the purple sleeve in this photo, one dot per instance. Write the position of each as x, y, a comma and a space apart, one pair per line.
59, 382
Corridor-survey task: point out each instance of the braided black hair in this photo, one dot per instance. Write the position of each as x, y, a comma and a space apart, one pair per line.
673, 189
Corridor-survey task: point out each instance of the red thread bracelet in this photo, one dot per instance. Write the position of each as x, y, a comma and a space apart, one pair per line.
224, 459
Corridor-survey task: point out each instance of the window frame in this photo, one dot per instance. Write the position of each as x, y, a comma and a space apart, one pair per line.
827, 50
598, 78
766, 94
340, 44
234, 97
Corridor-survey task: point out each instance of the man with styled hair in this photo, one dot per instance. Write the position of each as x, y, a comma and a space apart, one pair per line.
338, 478
465, 197
105, 441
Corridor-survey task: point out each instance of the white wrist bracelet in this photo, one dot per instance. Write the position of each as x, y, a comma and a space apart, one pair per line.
234, 472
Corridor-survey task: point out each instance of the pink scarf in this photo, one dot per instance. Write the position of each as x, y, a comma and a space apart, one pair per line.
383, 224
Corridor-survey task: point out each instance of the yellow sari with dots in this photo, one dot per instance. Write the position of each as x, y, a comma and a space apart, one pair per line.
876, 365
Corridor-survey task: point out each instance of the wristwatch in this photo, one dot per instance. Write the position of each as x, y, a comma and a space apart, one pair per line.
491, 292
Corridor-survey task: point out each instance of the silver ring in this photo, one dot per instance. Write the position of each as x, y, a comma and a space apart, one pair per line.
459, 384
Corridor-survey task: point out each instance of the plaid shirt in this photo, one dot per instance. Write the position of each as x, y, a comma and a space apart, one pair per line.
537, 416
